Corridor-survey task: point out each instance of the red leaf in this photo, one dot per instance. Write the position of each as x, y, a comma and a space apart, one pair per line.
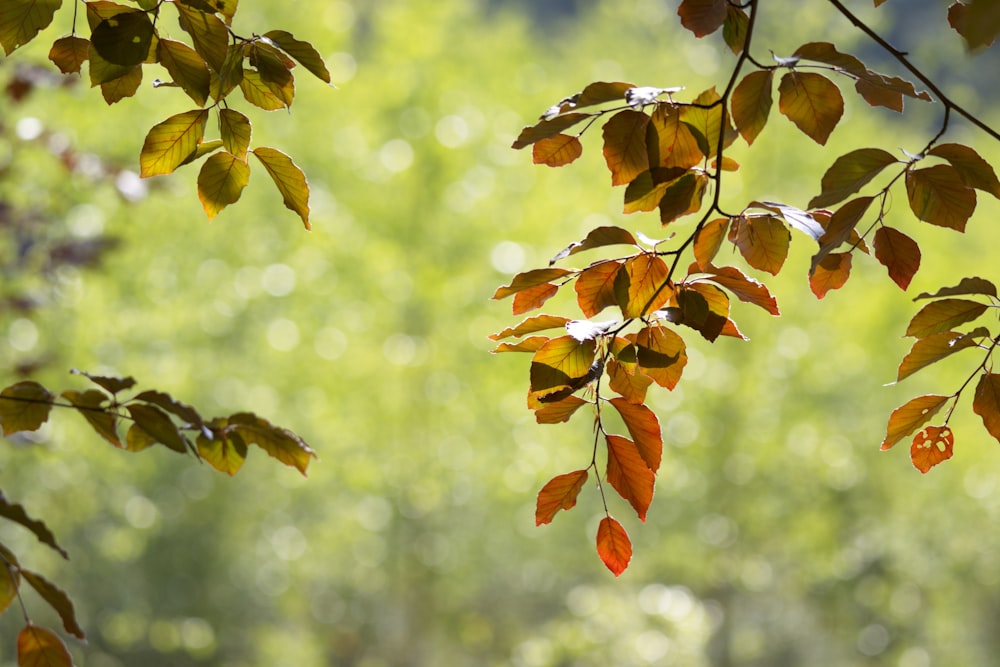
556, 151
644, 428
559, 411
943, 315
898, 253
752, 103
702, 17
910, 416
613, 545
987, 402
939, 196
931, 446
629, 474
595, 288
812, 102
625, 146
558, 494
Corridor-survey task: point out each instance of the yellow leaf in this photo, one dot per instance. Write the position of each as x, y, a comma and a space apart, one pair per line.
289, 179
221, 182
169, 143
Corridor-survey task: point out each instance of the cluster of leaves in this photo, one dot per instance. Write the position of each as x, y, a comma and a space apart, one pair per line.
671, 157
124, 39
155, 418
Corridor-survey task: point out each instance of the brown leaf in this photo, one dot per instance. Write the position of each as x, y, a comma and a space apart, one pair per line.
936, 347
897, 252
69, 53
279, 443
644, 428
595, 287
830, 273
943, 315
973, 285
629, 475
661, 354
547, 128
640, 285
57, 599
529, 344
670, 141
40, 647
682, 197
556, 151
528, 279
559, 493
812, 102
745, 288
971, 167
531, 325
840, 228
559, 411
597, 238
763, 242
625, 146
24, 406
613, 545
987, 402
735, 28
931, 446
849, 173
752, 103
702, 17
910, 416
939, 196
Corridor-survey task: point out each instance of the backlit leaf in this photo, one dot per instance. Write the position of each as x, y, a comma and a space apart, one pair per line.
644, 428
910, 416
943, 315
125, 38
528, 279
706, 120
600, 92
629, 475
24, 406
936, 347
186, 68
69, 53
830, 273
158, 425
137, 439
613, 545
826, 52
10, 579
939, 196
639, 285
670, 142
260, 93
705, 308
289, 179
559, 493
16, 513
702, 17
745, 288
812, 102
559, 411
21, 20
631, 386
102, 71
279, 443
931, 446
987, 402
597, 238
221, 182
57, 599
534, 297
529, 344
548, 128
978, 21
625, 146
898, 253
971, 167
804, 221
752, 103
735, 28
708, 240
595, 288
40, 647
965, 286
121, 87
235, 131
644, 194
562, 363
232, 73
169, 143
840, 228
556, 151
89, 405
209, 34
763, 242
302, 51
682, 197
849, 173
661, 354
225, 453
531, 325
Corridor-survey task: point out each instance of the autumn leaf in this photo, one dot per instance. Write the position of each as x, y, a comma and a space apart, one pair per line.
21, 20
40, 647
936, 347
744, 287
910, 416
289, 179
973, 285
10, 578
644, 428
661, 354
938, 195
849, 173
763, 241
931, 446
702, 17
279, 443
708, 240
16, 513
559, 493
751, 103
735, 28
531, 325
705, 117
209, 34
640, 285
629, 474
597, 238
840, 228
943, 315
158, 426
302, 51
24, 406
57, 599
560, 364
670, 142
69, 53
974, 171
235, 130
595, 288
169, 143
613, 545
625, 146
532, 298
682, 196
548, 128
529, 344
632, 386
221, 182
90, 405
225, 453
557, 151
898, 253
559, 411
812, 102
529, 279
987, 402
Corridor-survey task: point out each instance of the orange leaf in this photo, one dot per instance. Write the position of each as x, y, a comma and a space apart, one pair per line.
661, 355
631, 386
40, 647
898, 253
532, 298
629, 475
908, 417
939, 196
812, 102
752, 103
558, 494
556, 151
943, 315
625, 145
528, 279
849, 173
708, 240
987, 402
931, 446
559, 411
703, 307
531, 325
670, 141
831, 273
560, 364
548, 128
702, 17
595, 288
936, 347
745, 288
613, 545
644, 428
640, 285
529, 344
763, 242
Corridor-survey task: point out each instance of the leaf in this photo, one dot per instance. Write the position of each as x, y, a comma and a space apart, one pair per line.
661, 354
600, 92
57, 599
125, 38
631, 385
225, 453
702, 17
279, 443
745, 288
931, 446
169, 143
89, 405
707, 121
158, 426
796, 218
708, 240
897, 252
682, 197
613, 545
531, 325
16, 513
640, 285
289, 179
974, 171
978, 21
830, 273
24, 406
886, 91
231, 75
528, 279
826, 52
221, 182
261, 94
625, 146
597, 238
123, 86
840, 228
209, 34
645, 192
908, 417
752, 102
943, 315
735, 28
644, 428
548, 128
69, 53
532, 298
934, 348
939, 196
562, 363
274, 70
21, 20
302, 51
629, 475
965, 286
595, 288
137, 439
529, 344
559, 493
10, 578
987, 402
187, 69
559, 411
849, 173
763, 242
812, 102
670, 142
556, 151
40, 647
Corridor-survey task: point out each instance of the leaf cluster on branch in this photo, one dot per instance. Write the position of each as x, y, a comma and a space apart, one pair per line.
670, 154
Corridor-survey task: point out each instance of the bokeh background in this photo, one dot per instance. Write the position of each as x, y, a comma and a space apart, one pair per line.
779, 534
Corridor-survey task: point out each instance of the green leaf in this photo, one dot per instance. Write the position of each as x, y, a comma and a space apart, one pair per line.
548, 128
58, 600
971, 167
208, 34
204, 148
898, 253
304, 52
849, 173
938, 195
158, 425
40, 647
278, 442
21, 20
186, 68
559, 493
752, 103
24, 406
289, 179
944, 315
69, 53
235, 130
221, 182
936, 347
90, 405
987, 402
224, 452
735, 28
812, 102
124, 39
169, 143
910, 416
16, 513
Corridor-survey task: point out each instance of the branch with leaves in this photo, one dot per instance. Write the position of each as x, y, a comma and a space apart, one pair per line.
670, 154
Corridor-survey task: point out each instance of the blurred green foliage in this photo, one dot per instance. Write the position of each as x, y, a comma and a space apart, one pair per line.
779, 535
